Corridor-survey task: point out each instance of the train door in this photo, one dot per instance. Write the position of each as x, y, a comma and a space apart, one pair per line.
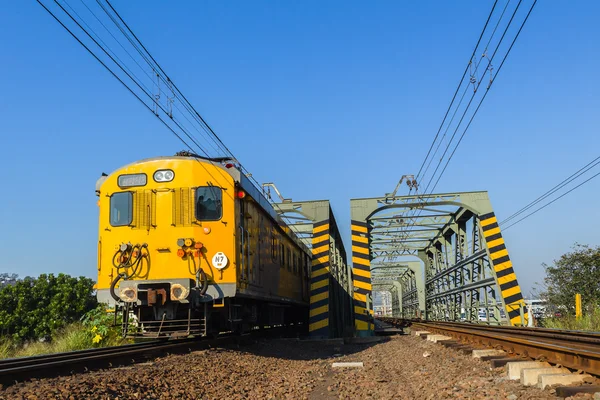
263, 244
306, 277
252, 240
244, 245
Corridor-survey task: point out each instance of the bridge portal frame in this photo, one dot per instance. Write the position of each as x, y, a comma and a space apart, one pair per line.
461, 276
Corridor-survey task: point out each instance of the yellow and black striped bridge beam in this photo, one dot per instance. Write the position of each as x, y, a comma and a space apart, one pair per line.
361, 278
503, 270
319, 283
330, 295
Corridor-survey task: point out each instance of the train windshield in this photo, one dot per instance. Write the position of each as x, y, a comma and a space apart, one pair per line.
121, 210
209, 204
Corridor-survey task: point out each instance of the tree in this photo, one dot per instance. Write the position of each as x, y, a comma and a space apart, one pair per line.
34, 308
574, 272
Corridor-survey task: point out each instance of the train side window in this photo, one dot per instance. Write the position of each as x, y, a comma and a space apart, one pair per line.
289, 259
209, 203
273, 248
121, 209
282, 255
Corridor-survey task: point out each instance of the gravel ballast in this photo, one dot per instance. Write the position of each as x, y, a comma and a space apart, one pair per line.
401, 367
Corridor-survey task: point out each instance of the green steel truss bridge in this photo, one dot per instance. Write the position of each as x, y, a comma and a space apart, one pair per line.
440, 256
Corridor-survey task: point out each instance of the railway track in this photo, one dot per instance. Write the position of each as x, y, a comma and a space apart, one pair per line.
572, 349
44, 366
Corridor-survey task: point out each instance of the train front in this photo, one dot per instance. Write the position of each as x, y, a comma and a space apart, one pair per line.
166, 246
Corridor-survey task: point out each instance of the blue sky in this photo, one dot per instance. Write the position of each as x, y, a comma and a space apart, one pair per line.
330, 100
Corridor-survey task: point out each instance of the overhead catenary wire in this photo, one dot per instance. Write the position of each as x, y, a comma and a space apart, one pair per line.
139, 47
457, 89
120, 67
552, 201
109, 70
167, 82
148, 75
185, 100
553, 190
490, 59
186, 144
417, 210
467, 83
486, 92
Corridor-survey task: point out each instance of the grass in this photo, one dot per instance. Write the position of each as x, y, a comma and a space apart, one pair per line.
71, 338
589, 321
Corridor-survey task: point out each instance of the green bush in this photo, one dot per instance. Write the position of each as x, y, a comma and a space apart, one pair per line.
100, 327
70, 338
589, 321
35, 308
75, 336
575, 272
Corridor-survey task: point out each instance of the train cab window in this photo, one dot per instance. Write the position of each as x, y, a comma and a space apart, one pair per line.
121, 209
209, 203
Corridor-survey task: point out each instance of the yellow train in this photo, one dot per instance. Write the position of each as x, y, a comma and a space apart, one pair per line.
188, 246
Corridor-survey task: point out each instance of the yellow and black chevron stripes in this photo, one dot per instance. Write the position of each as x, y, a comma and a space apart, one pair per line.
319, 281
361, 270
505, 275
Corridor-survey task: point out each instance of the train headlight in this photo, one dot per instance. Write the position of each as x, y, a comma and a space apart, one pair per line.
128, 294
163, 175
178, 292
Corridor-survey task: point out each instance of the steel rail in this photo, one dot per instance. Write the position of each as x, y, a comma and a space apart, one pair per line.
572, 349
31, 360
21, 369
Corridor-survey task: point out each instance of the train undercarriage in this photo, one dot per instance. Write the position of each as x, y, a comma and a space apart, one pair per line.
235, 314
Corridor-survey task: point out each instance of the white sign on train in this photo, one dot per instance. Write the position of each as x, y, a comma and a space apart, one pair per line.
219, 260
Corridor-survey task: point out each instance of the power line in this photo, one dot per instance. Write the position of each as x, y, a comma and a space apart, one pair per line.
160, 89
186, 101
109, 70
157, 69
159, 72
547, 204
486, 92
467, 86
457, 88
417, 211
490, 59
120, 80
128, 75
556, 188
178, 92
